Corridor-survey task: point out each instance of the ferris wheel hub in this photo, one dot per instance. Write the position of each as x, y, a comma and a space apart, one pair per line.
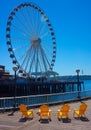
36, 41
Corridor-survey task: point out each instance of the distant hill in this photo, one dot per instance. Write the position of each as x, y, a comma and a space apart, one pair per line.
73, 77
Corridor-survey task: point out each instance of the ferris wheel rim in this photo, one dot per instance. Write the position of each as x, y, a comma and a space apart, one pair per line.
8, 36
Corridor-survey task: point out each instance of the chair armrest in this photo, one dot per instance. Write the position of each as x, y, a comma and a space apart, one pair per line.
39, 110
75, 109
58, 110
50, 110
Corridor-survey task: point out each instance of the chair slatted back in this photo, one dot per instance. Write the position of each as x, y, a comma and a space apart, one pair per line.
82, 108
23, 109
65, 108
44, 108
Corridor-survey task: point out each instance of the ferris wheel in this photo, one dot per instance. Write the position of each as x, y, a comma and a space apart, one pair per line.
31, 40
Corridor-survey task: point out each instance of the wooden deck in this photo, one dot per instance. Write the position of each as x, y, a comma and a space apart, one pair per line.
15, 122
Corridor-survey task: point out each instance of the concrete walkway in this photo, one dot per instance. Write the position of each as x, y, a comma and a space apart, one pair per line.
15, 122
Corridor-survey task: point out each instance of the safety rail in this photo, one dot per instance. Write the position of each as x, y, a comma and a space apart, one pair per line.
36, 100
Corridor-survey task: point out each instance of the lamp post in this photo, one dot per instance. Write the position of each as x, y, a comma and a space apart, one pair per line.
78, 85
15, 68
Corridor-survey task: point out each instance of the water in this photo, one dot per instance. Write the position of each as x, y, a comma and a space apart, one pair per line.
87, 84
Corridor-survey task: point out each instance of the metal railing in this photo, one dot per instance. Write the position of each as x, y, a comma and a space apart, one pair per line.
35, 100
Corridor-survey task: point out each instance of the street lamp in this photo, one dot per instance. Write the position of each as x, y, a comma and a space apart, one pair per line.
78, 85
15, 68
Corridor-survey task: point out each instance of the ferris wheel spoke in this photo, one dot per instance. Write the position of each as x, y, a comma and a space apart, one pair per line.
48, 55
31, 22
26, 29
20, 39
25, 19
45, 34
27, 58
46, 58
36, 60
28, 25
27, 61
38, 19
30, 69
47, 48
38, 23
39, 66
21, 57
29, 19
44, 63
32, 63
43, 58
47, 52
20, 31
41, 28
25, 45
21, 24
26, 55
35, 22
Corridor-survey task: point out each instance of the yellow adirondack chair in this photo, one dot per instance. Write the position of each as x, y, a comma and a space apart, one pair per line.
26, 113
63, 112
81, 111
44, 111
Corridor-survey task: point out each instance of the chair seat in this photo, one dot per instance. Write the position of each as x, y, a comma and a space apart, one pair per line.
62, 114
44, 114
77, 112
29, 113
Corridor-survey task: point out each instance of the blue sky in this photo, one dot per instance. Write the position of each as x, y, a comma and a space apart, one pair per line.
71, 21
